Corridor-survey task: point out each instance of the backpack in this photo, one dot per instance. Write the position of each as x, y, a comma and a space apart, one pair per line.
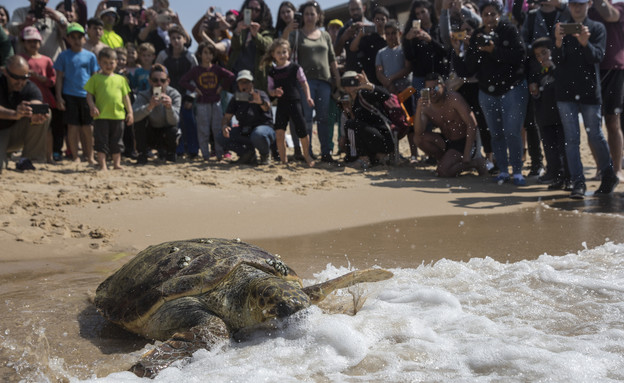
392, 113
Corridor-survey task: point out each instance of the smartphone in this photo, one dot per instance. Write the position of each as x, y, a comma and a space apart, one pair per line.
298, 18
157, 92
40, 108
369, 29
114, 3
459, 35
163, 19
424, 94
571, 28
243, 96
416, 24
247, 16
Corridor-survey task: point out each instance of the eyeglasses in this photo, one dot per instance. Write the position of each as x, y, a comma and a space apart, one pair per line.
17, 77
159, 80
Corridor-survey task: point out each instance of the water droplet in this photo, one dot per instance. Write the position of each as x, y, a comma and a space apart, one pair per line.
491, 88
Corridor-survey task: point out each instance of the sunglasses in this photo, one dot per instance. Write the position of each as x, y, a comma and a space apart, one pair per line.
159, 80
17, 77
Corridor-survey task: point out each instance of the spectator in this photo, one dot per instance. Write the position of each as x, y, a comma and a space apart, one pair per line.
74, 67
496, 55
612, 75
315, 54
214, 28
578, 57
422, 44
157, 113
542, 88
20, 128
139, 78
6, 40
107, 97
95, 30
41, 74
285, 78
369, 43
109, 17
454, 148
250, 42
452, 16
255, 123
347, 34
367, 131
207, 80
178, 60
286, 22
156, 30
50, 23
128, 29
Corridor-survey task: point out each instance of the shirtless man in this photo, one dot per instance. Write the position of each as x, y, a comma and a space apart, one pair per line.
454, 148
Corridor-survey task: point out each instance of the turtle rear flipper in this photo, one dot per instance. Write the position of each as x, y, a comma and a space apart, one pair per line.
319, 291
193, 328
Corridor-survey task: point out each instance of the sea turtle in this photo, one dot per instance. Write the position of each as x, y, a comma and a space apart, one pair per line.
194, 294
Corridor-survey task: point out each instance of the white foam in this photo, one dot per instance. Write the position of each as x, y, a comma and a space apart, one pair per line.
554, 319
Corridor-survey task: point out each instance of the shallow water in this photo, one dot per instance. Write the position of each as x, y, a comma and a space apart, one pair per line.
474, 298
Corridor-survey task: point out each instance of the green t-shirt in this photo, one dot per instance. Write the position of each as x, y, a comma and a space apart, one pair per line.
112, 39
109, 93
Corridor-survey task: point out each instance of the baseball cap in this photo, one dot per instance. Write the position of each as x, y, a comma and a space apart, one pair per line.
112, 10
31, 33
75, 27
244, 75
336, 22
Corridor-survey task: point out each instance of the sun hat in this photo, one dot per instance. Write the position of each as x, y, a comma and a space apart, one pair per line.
31, 33
244, 75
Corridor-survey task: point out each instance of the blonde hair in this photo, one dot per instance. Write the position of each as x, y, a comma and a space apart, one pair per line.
268, 59
146, 47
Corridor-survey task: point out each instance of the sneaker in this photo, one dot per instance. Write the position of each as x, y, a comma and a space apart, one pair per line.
608, 184
57, 156
24, 164
519, 180
536, 170
501, 178
142, 159
247, 158
578, 191
547, 178
265, 159
227, 156
557, 184
328, 158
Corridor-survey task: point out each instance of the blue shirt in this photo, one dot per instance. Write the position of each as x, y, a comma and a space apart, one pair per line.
77, 68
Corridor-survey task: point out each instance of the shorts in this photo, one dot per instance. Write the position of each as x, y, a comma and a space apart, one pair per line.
76, 111
612, 84
108, 136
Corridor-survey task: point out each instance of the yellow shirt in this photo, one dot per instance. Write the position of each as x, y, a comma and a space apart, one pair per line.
112, 39
109, 93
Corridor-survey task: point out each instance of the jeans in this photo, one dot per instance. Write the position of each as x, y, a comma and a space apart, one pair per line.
188, 127
260, 138
504, 116
592, 119
208, 118
321, 94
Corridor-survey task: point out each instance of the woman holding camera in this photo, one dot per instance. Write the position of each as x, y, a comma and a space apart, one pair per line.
367, 131
314, 52
496, 55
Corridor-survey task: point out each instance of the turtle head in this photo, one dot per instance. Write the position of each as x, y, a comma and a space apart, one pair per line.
275, 297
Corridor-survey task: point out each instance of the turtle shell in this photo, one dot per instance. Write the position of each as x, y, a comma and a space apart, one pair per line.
175, 269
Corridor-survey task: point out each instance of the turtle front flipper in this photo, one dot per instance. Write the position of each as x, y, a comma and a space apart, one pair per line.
319, 291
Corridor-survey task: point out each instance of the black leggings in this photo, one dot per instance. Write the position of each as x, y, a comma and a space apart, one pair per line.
291, 110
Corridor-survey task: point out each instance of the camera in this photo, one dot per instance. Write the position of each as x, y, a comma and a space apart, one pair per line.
571, 28
349, 81
243, 96
39, 9
40, 108
114, 4
369, 29
425, 94
484, 40
298, 18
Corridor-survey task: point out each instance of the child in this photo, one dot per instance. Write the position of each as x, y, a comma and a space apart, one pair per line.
132, 57
139, 79
282, 80
207, 80
542, 88
41, 73
178, 61
79, 65
111, 96
122, 59
95, 29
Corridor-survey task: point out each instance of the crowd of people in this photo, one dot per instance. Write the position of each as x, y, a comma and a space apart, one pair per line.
488, 86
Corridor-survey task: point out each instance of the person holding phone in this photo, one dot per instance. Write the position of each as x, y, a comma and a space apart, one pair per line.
252, 108
369, 40
20, 128
578, 90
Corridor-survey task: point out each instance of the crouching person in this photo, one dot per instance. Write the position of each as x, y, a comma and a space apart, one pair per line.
454, 147
156, 116
252, 109
22, 127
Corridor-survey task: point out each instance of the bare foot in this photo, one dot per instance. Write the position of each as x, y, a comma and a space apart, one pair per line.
118, 167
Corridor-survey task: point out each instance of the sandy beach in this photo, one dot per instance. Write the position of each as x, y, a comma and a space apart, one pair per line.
67, 226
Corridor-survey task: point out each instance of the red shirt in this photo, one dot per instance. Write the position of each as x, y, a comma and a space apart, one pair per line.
43, 66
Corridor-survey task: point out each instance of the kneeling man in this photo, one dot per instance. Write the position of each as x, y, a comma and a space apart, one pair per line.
453, 148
